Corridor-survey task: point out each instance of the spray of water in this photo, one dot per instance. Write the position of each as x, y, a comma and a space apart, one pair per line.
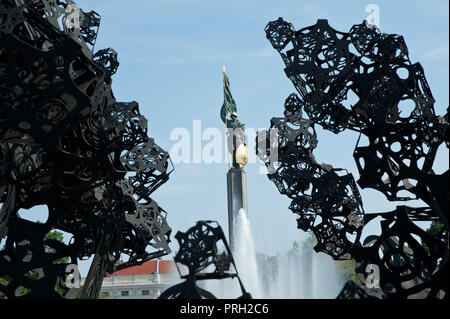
303, 275
298, 274
245, 259
245, 255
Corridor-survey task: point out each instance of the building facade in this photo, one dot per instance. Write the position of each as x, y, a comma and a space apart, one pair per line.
146, 281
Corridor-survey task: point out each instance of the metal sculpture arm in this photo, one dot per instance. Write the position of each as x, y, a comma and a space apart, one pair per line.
326, 66
198, 251
65, 142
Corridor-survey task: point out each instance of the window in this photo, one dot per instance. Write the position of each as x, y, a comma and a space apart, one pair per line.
145, 292
124, 293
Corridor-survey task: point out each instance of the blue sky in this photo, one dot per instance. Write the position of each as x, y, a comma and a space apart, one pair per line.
171, 54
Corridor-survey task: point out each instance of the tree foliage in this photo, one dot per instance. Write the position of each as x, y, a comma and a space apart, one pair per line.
54, 235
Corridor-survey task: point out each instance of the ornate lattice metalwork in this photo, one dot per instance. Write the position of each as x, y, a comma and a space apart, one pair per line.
363, 81
327, 201
66, 143
200, 252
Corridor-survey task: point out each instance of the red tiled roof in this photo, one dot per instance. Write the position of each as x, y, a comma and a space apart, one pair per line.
149, 267
167, 266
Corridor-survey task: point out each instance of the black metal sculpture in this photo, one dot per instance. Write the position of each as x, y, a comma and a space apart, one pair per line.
327, 202
327, 67
66, 143
199, 249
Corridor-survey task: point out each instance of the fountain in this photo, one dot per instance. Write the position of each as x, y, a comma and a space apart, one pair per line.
245, 254
300, 274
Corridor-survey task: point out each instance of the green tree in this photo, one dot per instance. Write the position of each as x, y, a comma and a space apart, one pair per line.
104, 295
436, 229
347, 270
55, 235
268, 268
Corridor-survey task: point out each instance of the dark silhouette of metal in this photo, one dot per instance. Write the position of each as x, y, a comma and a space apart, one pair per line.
315, 189
202, 246
363, 81
354, 291
65, 142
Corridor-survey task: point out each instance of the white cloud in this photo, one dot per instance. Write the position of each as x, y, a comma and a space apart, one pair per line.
439, 54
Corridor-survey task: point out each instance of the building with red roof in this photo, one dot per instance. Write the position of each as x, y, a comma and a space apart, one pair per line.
150, 267
145, 281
